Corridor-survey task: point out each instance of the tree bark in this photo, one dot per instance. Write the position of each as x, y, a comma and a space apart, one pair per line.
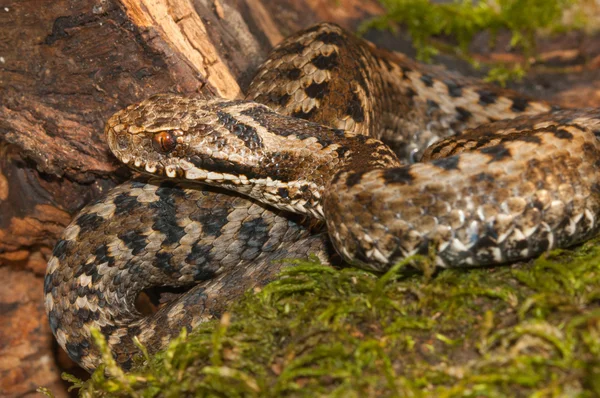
66, 66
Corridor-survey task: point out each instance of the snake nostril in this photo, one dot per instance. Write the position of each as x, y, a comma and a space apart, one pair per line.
122, 142
415, 156
164, 141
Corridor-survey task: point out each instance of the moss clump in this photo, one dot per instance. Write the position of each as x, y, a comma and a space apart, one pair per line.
461, 20
526, 330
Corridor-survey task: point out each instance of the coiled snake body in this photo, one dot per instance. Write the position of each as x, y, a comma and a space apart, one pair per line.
308, 140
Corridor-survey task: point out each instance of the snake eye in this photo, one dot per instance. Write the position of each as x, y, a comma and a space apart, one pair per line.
164, 141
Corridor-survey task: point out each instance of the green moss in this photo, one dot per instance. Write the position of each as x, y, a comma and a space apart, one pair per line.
525, 330
460, 20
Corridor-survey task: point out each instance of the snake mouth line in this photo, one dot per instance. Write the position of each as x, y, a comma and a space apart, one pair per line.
242, 181
153, 168
185, 170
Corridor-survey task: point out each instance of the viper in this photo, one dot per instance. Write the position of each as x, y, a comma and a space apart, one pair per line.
393, 157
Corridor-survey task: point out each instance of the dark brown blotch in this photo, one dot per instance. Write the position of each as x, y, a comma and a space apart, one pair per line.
496, 152
279, 166
486, 97
432, 106
244, 132
519, 104
293, 73
341, 151
363, 83
108, 329
162, 261
212, 221
203, 273
304, 115
562, 134
427, 80
398, 175
84, 315
125, 204
388, 65
165, 219
410, 93
589, 148
199, 255
405, 71
315, 28
454, 90
255, 234
463, 114
134, 241
77, 350
197, 161
281, 100
60, 249
317, 90
449, 163
354, 179
89, 222
138, 183
258, 111
359, 251
355, 110
54, 320
326, 62
102, 257
331, 38
482, 249
292, 48
484, 177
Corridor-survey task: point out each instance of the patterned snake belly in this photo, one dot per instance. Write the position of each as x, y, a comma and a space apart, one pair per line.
309, 140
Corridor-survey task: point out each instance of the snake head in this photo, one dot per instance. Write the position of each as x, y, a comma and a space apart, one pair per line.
171, 136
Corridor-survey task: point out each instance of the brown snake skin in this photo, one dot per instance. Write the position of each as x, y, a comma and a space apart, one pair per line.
505, 191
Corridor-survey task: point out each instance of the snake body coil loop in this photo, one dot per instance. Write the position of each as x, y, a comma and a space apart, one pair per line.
325, 132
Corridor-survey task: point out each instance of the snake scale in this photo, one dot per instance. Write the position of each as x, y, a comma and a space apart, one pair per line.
501, 177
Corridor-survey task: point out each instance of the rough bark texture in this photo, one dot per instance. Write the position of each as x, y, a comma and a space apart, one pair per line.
67, 65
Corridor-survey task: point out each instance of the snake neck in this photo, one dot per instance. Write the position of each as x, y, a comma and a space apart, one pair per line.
292, 163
